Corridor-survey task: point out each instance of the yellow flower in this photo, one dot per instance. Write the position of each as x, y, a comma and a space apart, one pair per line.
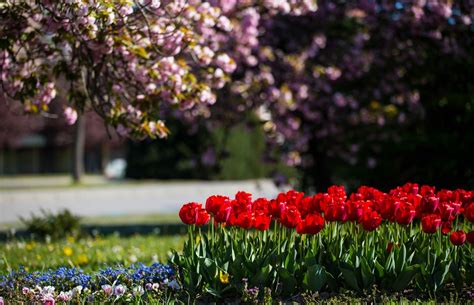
374, 105
70, 239
391, 110
224, 277
82, 259
67, 251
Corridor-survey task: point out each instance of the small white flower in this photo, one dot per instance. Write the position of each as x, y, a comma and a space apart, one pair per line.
154, 4
48, 298
47, 290
77, 290
70, 115
150, 88
133, 258
65, 296
126, 9
138, 291
120, 290
107, 289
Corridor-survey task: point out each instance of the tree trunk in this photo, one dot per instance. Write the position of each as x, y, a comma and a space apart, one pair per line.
321, 172
79, 145
317, 177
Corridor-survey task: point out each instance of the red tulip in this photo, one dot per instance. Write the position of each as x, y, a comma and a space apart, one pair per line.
446, 227
469, 212
202, 217
214, 203
243, 197
189, 213
458, 238
290, 217
414, 200
389, 247
427, 190
294, 198
261, 205
354, 210
430, 223
446, 195
320, 202
411, 188
243, 220
262, 222
241, 206
464, 196
429, 204
405, 213
312, 224
276, 208
337, 191
223, 214
389, 207
336, 212
371, 220
306, 206
456, 205
470, 237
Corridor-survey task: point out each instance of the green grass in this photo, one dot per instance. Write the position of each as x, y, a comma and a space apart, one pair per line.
89, 254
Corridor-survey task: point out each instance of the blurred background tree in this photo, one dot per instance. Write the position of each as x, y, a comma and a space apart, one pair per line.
358, 92
361, 92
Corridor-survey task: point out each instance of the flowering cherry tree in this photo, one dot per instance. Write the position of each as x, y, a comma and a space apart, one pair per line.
127, 60
132, 62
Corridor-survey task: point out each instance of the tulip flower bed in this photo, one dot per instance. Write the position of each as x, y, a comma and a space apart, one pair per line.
411, 243
411, 238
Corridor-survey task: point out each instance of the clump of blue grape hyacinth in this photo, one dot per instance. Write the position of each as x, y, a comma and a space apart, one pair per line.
134, 283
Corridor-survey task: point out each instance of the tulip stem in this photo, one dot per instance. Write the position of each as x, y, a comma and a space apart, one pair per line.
211, 242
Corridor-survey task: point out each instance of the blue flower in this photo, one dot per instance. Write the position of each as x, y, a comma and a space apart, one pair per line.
64, 278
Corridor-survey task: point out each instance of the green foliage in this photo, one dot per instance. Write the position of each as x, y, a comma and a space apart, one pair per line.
55, 226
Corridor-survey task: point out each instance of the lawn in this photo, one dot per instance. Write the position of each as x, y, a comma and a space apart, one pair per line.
89, 253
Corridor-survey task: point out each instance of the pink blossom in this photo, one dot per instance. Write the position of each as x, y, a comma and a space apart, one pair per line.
226, 63
48, 299
70, 115
107, 289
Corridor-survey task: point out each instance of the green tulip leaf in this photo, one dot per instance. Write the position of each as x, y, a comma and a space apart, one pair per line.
315, 278
404, 279
350, 278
